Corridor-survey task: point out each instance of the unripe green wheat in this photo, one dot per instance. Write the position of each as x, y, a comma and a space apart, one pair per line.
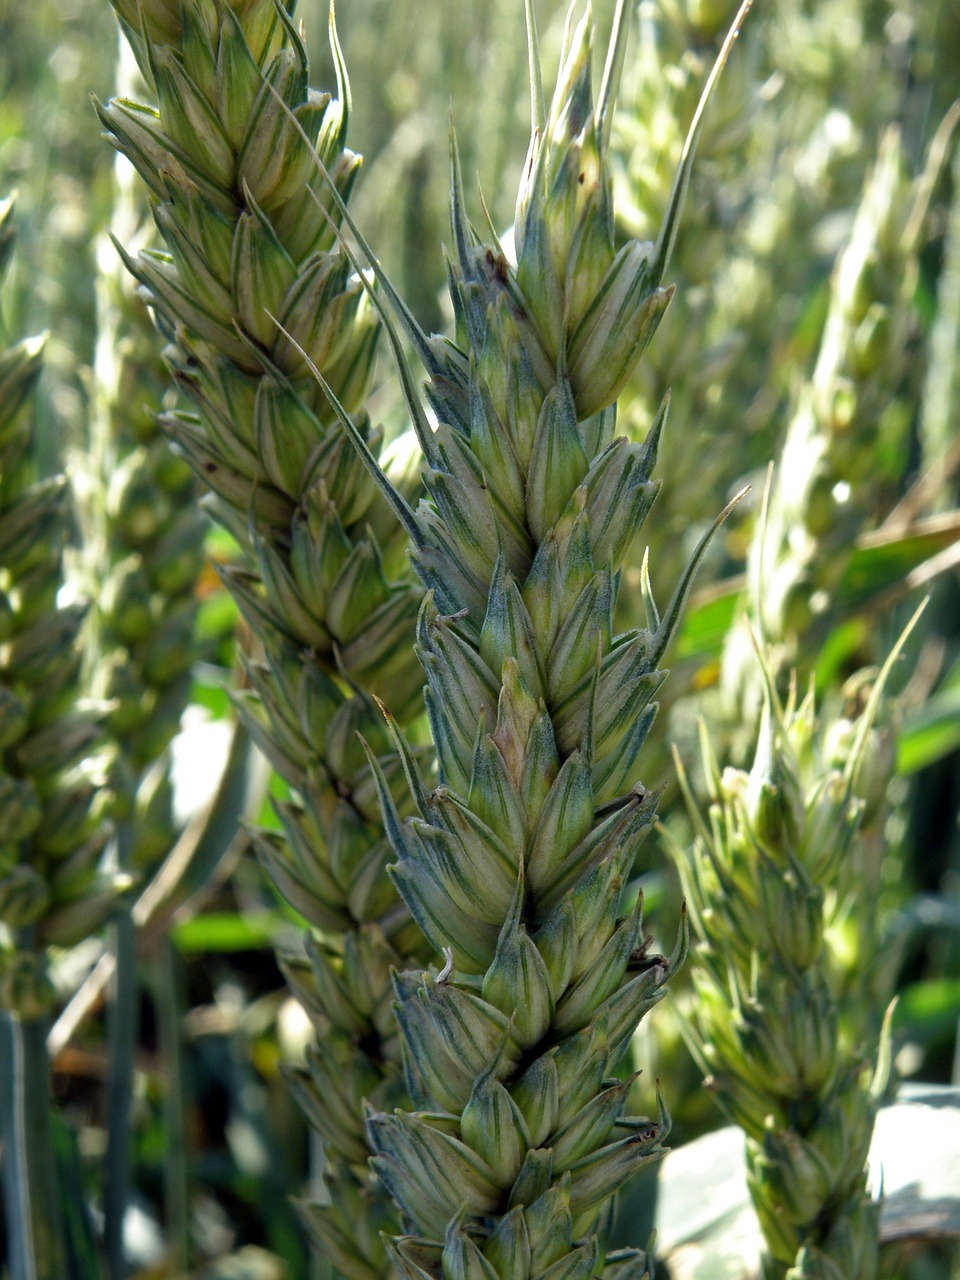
516, 866
782, 168
827, 477
250, 287
54, 819
54, 807
660, 92
693, 357
941, 394
144, 552
793, 1054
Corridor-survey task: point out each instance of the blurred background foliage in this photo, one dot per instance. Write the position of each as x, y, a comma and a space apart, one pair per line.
219, 1147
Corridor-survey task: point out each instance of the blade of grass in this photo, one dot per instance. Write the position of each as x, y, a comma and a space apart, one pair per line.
35, 1249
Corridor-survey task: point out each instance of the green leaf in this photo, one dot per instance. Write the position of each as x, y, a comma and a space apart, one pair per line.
928, 1011
217, 616
228, 931
882, 561
931, 732
885, 558
708, 618
211, 694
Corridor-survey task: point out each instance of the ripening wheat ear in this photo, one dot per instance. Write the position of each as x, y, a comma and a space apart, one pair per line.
694, 355
54, 807
828, 482
54, 819
517, 865
794, 1059
235, 155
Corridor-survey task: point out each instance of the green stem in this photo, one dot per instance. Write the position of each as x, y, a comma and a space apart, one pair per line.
30, 1183
122, 1040
176, 1170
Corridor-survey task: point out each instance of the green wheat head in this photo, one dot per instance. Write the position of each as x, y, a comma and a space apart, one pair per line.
251, 290
793, 1052
55, 815
516, 865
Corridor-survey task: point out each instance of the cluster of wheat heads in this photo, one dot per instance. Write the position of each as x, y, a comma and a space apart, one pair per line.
474, 960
